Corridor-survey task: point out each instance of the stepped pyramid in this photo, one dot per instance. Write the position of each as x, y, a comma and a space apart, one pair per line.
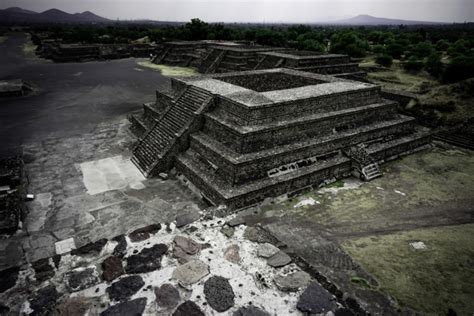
263, 133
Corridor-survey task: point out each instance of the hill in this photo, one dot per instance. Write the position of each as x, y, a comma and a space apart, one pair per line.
20, 16
365, 19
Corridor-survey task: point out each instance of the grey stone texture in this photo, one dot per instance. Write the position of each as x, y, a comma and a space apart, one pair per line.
188, 308
280, 259
167, 296
293, 281
232, 254
191, 272
133, 307
82, 278
125, 287
112, 268
267, 250
250, 311
149, 259
219, 293
315, 299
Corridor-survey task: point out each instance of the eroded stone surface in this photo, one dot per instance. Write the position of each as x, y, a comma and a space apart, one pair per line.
260, 235
279, 259
8, 277
125, 287
167, 296
82, 278
219, 293
267, 250
133, 307
292, 282
43, 269
121, 247
191, 272
231, 254
77, 306
185, 219
250, 311
228, 231
144, 233
315, 299
236, 221
112, 268
149, 259
188, 308
187, 245
93, 248
44, 300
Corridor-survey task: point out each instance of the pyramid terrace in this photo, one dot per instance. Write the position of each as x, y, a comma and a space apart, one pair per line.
241, 137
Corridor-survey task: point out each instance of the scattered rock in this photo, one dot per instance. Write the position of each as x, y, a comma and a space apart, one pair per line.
260, 235
76, 306
231, 254
44, 300
188, 308
185, 219
228, 231
279, 259
82, 278
167, 296
133, 307
8, 277
112, 268
93, 248
266, 250
293, 281
315, 299
187, 245
182, 256
121, 249
124, 288
250, 311
191, 272
149, 259
163, 175
43, 269
219, 293
144, 233
236, 221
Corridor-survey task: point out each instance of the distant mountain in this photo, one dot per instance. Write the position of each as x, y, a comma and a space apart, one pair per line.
365, 19
20, 10
21, 16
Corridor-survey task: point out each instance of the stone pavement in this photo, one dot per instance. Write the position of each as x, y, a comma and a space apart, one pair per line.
86, 189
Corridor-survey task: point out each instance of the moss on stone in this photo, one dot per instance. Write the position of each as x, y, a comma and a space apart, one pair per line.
169, 71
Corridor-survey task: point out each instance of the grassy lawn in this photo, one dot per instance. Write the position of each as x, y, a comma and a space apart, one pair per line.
430, 280
169, 71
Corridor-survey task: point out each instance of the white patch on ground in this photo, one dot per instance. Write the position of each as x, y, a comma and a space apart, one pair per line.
138, 69
65, 246
349, 184
418, 245
379, 188
77, 74
399, 192
306, 202
114, 173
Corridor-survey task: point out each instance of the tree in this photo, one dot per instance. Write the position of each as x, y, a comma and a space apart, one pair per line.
413, 64
395, 50
460, 68
421, 50
384, 60
348, 42
459, 48
433, 64
442, 45
197, 29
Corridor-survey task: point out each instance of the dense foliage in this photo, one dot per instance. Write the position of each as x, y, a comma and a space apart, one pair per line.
446, 52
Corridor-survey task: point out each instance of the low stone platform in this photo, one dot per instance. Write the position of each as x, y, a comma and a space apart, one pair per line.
14, 88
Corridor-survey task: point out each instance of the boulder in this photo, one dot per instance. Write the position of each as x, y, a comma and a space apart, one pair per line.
315, 299
191, 272
228, 231
188, 308
121, 248
280, 259
112, 268
82, 278
266, 250
292, 282
124, 288
93, 248
149, 259
236, 221
144, 233
44, 300
133, 307
250, 311
231, 254
219, 293
43, 269
167, 296
185, 219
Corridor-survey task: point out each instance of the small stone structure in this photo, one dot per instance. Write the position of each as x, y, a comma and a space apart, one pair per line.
11, 194
244, 136
14, 88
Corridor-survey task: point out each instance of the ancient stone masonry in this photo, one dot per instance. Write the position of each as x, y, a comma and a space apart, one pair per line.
329, 64
270, 132
12, 207
14, 88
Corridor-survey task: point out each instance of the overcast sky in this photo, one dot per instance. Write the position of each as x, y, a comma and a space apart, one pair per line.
260, 10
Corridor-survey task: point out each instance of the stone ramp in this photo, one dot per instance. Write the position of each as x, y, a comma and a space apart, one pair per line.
154, 151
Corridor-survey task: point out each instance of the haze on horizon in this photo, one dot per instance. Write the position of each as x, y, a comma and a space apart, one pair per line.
295, 11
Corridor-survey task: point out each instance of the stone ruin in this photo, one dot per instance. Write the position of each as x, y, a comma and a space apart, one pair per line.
218, 57
14, 88
12, 208
241, 137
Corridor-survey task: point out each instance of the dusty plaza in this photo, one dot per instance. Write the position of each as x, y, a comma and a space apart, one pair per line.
218, 179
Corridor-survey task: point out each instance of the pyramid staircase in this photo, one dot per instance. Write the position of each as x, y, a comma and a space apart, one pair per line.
366, 166
169, 134
159, 58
